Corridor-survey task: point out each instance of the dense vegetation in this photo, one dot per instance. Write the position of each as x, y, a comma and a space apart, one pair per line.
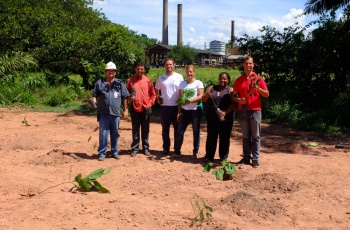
52, 52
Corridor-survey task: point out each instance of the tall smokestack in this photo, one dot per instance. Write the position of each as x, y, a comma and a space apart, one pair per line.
179, 24
232, 34
165, 23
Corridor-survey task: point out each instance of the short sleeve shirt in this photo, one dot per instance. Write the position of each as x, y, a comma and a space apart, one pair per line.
169, 87
110, 98
196, 84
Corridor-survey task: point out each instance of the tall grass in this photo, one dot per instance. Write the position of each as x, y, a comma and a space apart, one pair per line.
206, 75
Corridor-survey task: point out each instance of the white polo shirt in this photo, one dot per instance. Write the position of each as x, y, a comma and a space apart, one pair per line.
169, 87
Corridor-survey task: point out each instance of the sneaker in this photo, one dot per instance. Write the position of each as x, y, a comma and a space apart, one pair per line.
116, 156
133, 153
101, 158
243, 162
255, 163
146, 152
194, 156
173, 156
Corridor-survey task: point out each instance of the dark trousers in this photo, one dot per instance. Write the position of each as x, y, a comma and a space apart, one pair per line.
188, 116
168, 116
215, 130
140, 120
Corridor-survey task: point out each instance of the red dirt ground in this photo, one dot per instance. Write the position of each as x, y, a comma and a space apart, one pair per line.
296, 186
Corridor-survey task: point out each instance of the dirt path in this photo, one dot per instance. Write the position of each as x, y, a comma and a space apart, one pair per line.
296, 186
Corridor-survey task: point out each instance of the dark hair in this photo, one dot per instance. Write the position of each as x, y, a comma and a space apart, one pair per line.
139, 63
169, 59
247, 58
228, 76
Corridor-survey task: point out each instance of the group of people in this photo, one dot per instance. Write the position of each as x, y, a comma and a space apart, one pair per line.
181, 104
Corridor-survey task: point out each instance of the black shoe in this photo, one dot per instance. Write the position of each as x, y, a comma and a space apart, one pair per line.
243, 162
146, 152
166, 152
133, 153
255, 163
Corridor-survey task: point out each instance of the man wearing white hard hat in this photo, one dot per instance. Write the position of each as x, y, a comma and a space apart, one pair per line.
111, 94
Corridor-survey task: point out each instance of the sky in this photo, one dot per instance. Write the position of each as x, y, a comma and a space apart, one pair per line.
204, 21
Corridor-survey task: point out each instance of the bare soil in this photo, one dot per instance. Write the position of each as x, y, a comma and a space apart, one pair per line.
296, 186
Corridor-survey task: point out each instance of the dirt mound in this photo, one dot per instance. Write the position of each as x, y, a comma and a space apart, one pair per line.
56, 156
273, 183
249, 206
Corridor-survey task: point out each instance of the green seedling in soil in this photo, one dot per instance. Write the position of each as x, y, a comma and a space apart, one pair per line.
88, 183
201, 210
223, 173
25, 122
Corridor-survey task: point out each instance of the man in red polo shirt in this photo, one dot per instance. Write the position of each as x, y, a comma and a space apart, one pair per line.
247, 90
142, 97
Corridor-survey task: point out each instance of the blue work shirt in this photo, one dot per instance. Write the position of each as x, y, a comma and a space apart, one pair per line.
110, 98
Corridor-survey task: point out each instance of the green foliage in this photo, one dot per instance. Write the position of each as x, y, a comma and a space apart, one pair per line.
25, 122
186, 95
87, 184
90, 183
203, 74
116, 43
201, 210
31, 83
182, 54
282, 111
15, 61
223, 173
59, 96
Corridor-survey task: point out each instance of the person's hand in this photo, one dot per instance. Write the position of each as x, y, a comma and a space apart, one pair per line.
241, 100
126, 114
92, 103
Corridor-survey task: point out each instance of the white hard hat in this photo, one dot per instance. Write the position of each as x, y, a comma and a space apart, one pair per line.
110, 65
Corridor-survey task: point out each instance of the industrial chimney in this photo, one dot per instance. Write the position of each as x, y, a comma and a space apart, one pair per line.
232, 34
165, 23
179, 24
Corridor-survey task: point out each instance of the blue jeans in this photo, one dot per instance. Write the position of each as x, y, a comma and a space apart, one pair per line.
250, 123
188, 116
108, 124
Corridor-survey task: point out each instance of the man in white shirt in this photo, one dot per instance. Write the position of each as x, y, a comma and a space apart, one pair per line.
167, 87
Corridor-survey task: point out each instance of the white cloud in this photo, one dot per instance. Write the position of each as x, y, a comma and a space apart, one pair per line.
203, 20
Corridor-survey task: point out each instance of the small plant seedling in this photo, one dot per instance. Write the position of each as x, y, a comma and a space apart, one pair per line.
25, 122
201, 210
89, 183
223, 173
187, 94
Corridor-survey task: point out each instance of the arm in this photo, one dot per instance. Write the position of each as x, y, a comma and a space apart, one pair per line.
263, 92
157, 95
199, 96
231, 106
238, 99
207, 94
126, 111
152, 94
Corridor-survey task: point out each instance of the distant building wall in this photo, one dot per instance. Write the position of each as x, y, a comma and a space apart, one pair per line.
217, 46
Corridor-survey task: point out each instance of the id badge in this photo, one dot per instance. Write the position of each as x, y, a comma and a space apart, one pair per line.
116, 94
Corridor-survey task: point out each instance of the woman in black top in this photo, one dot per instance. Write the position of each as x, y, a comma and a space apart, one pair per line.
220, 105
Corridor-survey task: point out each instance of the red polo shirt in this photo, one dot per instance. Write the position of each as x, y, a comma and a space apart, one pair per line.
244, 87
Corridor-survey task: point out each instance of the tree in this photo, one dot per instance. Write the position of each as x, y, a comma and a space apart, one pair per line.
322, 6
182, 54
